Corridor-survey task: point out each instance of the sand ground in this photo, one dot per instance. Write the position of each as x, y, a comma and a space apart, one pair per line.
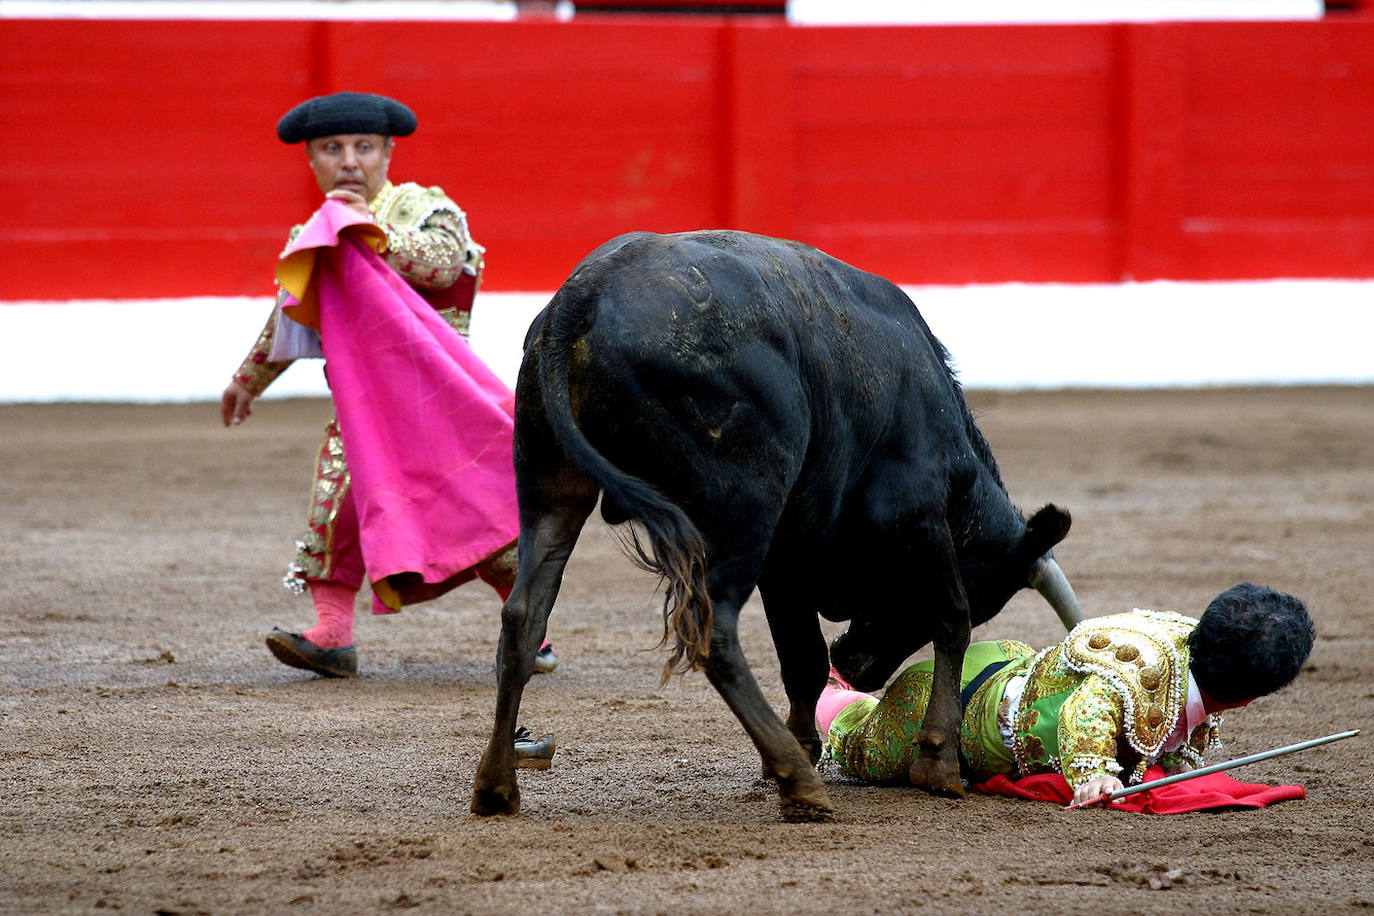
158, 760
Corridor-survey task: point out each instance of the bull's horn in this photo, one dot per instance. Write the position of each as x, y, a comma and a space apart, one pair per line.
1049, 580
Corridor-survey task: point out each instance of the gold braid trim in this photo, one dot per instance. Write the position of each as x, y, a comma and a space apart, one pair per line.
1143, 655
257, 370
428, 241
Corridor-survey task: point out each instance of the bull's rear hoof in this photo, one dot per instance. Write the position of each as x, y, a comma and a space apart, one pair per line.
487, 802
797, 811
946, 791
936, 777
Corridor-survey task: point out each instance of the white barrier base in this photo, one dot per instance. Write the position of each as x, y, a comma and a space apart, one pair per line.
1009, 336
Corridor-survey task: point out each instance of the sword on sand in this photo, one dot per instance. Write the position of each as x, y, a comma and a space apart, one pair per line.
1214, 768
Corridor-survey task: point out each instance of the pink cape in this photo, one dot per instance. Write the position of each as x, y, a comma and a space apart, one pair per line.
1216, 790
427, 426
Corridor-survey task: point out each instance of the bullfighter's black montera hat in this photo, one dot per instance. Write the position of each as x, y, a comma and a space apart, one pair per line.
346, 113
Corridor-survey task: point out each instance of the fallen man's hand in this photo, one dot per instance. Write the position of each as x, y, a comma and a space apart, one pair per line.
1096, 791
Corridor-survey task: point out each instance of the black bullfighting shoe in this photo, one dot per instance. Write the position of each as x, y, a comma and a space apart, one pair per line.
298, 652
545, 660
533, 753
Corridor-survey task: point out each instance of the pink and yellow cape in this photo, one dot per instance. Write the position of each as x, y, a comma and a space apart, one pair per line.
427, 426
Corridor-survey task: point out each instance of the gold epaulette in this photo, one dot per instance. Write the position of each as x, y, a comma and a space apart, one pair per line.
1144, 656
408, 205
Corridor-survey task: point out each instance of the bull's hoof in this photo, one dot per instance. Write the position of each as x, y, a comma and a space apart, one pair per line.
811, 749
936, 776
803, 798
496, 800
804, 811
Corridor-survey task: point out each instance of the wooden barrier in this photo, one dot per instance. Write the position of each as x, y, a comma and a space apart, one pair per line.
138, 158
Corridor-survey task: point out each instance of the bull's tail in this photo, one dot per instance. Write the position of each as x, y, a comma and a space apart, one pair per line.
675, 550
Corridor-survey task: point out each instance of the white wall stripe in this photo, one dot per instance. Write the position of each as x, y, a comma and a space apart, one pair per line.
1011, 336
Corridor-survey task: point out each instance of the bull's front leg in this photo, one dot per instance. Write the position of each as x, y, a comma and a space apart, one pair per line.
802, 656
936, 764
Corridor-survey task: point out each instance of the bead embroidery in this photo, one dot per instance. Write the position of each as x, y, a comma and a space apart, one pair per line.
427, 235
1151, 706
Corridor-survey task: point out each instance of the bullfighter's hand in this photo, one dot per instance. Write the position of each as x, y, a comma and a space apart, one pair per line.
351, 199
235, 404
1095, 791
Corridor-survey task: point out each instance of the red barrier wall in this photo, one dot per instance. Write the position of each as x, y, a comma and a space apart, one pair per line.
138, 158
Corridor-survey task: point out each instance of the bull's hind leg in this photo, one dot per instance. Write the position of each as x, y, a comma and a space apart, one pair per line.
802, 797
546, 542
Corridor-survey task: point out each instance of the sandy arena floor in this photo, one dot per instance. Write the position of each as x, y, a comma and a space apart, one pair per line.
158, 760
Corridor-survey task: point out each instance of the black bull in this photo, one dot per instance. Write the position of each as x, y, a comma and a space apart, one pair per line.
770, 417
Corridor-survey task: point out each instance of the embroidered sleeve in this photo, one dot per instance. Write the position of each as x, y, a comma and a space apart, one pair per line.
256, 371
428, 242
1090, 722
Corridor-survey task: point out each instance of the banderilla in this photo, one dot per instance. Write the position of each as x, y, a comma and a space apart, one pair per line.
1215, 768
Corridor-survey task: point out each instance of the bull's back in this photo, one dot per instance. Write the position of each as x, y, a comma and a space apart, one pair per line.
700, 360
712, 299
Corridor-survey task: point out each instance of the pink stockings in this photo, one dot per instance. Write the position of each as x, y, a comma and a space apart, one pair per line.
835, 699
334, 613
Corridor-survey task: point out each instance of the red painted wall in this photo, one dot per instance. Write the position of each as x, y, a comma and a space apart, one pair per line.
139, 158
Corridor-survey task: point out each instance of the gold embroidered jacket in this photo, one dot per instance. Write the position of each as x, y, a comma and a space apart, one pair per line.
428, 244
1106, 699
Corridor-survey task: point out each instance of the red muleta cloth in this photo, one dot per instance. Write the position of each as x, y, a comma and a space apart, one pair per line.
427, 426
1205, 793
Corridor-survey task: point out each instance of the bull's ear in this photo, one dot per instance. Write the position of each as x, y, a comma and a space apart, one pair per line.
1047, 527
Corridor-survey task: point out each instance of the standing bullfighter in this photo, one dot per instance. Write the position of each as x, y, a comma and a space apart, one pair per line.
348, 141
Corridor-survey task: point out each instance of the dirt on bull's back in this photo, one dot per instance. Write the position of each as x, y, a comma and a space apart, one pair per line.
158, 760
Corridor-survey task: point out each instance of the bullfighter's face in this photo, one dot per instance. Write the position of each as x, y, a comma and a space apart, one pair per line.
350, 162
